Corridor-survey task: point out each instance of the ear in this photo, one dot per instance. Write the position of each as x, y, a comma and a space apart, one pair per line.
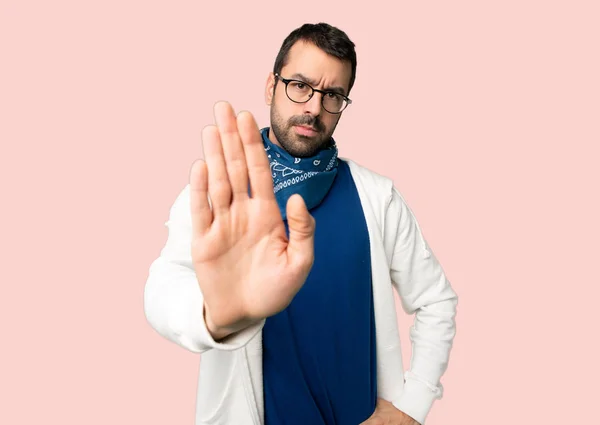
269, 87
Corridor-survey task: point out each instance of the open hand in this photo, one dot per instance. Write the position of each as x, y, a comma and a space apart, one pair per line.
246, 266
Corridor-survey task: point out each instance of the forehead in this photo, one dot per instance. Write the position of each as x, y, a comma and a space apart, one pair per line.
307, 59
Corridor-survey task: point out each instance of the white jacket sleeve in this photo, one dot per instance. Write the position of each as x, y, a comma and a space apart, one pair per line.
173, 302
424, 291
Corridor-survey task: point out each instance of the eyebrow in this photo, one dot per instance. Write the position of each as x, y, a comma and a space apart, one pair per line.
304, 78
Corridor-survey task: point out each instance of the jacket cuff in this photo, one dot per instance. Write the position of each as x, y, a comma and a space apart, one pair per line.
416, 399
192, 333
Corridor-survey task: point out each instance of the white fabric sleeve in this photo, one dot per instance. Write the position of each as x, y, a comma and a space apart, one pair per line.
425, 292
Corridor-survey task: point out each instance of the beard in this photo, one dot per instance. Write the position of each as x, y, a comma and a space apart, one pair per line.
295, 144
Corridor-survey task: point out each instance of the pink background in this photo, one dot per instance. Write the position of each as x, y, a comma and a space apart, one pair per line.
485, 114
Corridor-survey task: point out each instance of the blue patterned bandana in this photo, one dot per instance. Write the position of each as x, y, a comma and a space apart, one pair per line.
310, 177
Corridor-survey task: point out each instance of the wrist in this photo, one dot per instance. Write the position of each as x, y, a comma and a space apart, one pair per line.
219, 332
215, 331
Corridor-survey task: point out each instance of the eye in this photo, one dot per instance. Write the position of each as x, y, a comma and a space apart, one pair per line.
333, 95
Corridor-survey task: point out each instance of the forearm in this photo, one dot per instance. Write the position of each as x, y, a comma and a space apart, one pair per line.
173, 305
433, 302
426, 292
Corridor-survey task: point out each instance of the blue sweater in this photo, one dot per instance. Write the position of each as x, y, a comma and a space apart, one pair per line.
319, 359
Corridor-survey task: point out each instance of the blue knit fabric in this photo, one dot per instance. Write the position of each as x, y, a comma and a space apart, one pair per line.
319, 358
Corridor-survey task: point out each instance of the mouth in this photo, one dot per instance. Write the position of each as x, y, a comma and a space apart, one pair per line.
305, 130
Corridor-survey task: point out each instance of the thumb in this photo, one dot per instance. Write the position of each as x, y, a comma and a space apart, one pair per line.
302, 231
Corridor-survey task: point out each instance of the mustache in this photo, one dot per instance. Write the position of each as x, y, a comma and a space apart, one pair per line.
307, 120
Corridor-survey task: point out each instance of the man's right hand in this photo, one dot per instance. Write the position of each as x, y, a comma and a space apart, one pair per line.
246, 266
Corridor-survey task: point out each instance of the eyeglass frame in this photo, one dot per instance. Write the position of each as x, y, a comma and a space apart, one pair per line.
286, 81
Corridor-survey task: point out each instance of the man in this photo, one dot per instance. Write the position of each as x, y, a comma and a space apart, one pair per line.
281, 259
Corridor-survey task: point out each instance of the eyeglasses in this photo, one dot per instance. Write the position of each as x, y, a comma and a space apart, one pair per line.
300, 92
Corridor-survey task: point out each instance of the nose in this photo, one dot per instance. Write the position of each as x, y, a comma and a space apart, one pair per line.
313, 106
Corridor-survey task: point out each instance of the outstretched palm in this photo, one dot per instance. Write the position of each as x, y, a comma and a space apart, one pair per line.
246, 266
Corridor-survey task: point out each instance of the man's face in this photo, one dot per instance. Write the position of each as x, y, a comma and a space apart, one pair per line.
289, 120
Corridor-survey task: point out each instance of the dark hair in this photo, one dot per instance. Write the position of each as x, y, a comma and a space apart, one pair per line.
331, 40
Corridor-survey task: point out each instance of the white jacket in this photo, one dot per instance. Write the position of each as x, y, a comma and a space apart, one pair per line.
230, 387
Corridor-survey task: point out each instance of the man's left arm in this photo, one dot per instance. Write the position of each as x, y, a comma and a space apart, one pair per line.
424, 291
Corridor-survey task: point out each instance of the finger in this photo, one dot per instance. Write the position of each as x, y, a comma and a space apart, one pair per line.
219, 188
235, 159
301, 233
200, 207
259, 170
